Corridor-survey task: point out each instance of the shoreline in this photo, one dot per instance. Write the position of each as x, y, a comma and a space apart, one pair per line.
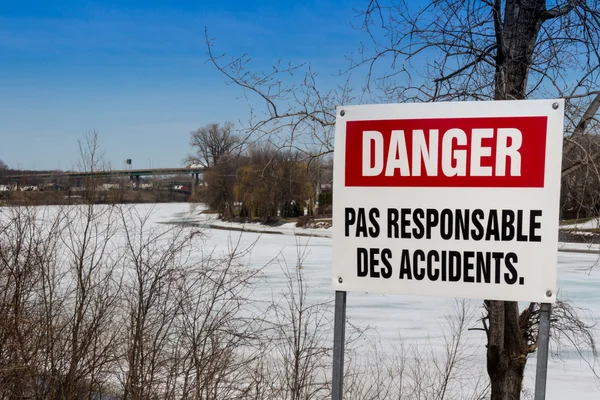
567, 247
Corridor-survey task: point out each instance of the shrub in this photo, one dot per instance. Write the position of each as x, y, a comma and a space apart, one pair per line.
304, 221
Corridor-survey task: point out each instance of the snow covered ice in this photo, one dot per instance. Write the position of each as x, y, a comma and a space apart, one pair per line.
414, 319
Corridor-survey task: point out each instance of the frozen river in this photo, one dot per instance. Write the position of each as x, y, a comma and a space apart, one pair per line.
416, 320
394, 320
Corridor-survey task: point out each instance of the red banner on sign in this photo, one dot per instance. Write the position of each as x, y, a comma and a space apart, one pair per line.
448, 152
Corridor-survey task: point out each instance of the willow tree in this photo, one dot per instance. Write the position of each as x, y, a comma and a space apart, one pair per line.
451, 50
273, 182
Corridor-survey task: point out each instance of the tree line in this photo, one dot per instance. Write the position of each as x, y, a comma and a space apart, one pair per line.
257, 179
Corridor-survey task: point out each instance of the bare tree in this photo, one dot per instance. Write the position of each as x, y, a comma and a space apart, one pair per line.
212, 144
91, 160
300, 339
91, 294
60, 299
63, 276
219, 333
152, 266
403, 370
295, 116
26, 248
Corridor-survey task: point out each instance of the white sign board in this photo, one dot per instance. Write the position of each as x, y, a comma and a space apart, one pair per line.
448, 199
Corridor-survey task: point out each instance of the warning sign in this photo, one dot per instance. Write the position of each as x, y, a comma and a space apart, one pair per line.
448, 199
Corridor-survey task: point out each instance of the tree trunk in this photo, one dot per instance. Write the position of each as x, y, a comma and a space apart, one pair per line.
507, 350
516, 36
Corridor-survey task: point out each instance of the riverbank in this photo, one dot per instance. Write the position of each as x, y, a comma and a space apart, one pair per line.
64, 197
199, 215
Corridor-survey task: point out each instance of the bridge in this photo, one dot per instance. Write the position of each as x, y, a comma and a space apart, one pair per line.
110, 173
131, 173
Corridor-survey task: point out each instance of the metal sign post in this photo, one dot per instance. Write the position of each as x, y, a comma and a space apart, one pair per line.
339, 333
542, 357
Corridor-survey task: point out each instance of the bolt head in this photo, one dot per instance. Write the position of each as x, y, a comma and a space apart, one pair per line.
549, 293
340, 280
342, 113
555, 106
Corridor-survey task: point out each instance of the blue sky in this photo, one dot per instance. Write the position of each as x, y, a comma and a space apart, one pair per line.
136, 71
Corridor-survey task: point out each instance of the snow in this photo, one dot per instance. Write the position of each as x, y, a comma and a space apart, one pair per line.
579, 247
593, 223
416, 320
184, 213
412, 319
285, 229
